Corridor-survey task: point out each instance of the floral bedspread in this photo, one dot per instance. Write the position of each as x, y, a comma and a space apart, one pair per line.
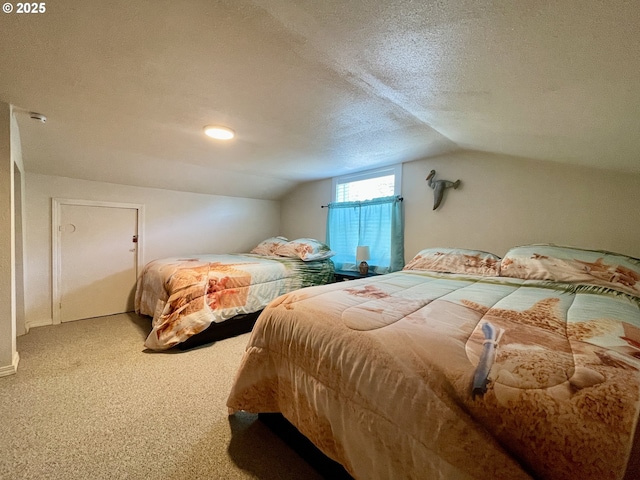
428, 375
184, 295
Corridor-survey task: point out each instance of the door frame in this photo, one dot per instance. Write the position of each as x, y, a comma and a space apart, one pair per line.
56, 216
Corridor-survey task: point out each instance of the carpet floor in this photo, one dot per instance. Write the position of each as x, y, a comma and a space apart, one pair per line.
89, 402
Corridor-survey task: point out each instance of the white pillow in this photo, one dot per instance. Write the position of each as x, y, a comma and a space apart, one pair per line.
269, 246
456, 260
306, 249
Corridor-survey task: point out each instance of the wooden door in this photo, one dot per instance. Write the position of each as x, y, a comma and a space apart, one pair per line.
97, 260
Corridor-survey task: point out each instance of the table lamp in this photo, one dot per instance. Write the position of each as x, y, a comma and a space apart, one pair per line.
362, 255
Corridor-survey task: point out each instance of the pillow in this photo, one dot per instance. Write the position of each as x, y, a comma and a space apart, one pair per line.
573, 265
456, 260
306, 249
268, 246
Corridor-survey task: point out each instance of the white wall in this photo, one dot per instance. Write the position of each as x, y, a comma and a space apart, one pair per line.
302, 215
502, 202
176, 223
18, 213
8, 354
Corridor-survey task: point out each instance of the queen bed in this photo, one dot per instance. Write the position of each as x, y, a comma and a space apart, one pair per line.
198, 299
463, 365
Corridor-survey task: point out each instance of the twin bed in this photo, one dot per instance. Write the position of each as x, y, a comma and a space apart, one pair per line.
198, 299
463, 365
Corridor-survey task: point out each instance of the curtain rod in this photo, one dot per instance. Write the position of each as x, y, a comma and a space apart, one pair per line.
327, 206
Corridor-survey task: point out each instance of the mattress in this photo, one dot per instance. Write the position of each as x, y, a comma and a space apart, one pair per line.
421, 374
185, 295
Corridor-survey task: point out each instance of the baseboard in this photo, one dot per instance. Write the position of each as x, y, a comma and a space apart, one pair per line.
10, 369
38, 323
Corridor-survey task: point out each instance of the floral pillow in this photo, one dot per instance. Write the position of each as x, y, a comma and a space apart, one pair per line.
269, 246
574, 265
306, 249
456, 260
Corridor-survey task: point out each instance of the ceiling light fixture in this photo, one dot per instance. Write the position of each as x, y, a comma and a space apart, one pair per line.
218, 132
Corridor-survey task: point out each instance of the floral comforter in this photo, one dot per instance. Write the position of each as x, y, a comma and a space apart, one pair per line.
184, 295
430, 375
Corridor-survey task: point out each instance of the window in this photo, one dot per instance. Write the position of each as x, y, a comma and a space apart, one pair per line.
367, 212
382, 182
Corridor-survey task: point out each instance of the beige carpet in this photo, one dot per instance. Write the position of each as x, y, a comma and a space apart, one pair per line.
88, 402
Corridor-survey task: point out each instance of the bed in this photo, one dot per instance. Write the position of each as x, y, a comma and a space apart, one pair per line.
198, 299
462, 365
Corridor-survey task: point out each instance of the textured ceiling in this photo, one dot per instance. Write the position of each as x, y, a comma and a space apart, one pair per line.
317, 88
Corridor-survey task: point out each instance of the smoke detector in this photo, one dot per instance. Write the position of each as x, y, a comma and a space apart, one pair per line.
38, 116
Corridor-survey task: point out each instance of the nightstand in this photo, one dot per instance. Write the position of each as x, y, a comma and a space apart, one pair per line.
344, 275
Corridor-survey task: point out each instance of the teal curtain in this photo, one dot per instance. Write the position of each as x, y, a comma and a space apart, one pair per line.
377, 223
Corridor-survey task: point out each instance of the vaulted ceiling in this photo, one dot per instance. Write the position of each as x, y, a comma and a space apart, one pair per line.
317, 88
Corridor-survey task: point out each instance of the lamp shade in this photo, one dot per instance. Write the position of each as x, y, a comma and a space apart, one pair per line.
362, 254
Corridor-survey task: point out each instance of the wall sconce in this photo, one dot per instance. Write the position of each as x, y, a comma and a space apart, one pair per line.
362, 255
